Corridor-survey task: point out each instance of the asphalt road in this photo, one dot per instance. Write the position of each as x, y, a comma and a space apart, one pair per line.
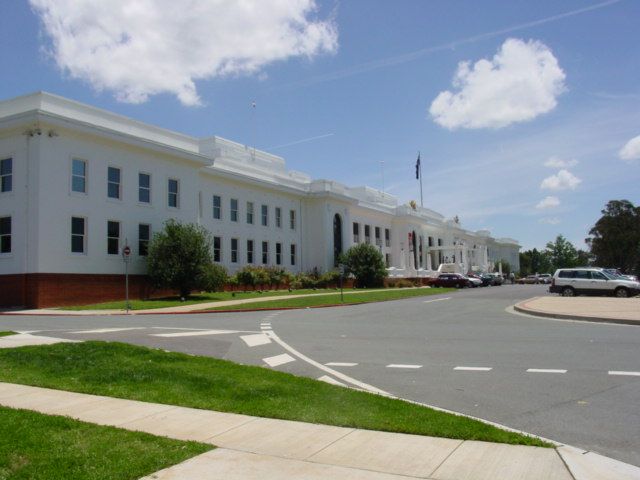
461, 351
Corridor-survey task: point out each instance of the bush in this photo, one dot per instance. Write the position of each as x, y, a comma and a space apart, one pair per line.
178, 257
246, 277
366, 264
214, 277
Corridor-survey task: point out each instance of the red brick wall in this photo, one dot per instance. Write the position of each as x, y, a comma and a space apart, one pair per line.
41, 290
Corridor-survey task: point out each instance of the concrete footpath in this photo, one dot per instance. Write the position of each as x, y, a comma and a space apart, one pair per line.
263, 449
594, 309
195, 307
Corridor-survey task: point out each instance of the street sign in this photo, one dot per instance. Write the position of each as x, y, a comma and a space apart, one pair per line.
341, 269
126, 251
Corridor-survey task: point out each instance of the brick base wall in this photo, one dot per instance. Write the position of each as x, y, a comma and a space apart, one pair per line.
42, 290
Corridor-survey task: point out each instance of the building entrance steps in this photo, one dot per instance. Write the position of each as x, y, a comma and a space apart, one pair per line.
263, 448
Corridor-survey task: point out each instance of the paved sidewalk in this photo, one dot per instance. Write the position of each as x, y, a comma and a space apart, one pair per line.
263, 449
26, 339
596, 309
184, 308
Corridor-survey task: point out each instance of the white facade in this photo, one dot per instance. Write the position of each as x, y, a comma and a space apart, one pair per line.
42, 135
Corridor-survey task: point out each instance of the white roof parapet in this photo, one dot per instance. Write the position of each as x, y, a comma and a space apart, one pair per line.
420, 212
507, 240
328, 186
372, 195
57, 106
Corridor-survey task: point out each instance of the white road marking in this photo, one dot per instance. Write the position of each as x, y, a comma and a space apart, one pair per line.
437, 300
108, 330
545, 370
474, 369
278, 360
341, 364
332, 381
255, 340
331, 371
194, 333
400, 365
265, 324
619, 372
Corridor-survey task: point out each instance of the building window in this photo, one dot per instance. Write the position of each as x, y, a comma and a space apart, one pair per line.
173, 189
78, 234
6, 175
5, 234
265, 253
278, 217
293, 254
377, 234
144, 235
292, 219
217, 249
278, 253
217, 207
233, 211
144, 188
387, 237
113, 183
367, 234
78, 176
113, 237
250, 213
234, 250
387, 259
249, 251
264, 210
356, 232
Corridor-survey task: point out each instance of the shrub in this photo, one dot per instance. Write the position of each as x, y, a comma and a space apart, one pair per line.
214, 277
366, 264
246, 277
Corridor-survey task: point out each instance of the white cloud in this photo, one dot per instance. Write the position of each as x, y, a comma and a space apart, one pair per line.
548, 202
555, 162
563, 180
631, 151
521, 82
550, 220
139, 48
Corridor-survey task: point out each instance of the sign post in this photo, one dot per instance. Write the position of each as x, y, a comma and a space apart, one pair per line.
126, 256
341, 268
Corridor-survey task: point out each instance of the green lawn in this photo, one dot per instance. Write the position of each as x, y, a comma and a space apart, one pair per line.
34, 446
6, 334
193, 299
139, 373
362, 296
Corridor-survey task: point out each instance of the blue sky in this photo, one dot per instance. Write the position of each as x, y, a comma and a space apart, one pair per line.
530, 142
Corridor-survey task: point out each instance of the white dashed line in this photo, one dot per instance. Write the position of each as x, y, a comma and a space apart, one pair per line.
108, 330
255, 340
265, 324
332, 381
399, 365
437, 300
340, 364
278, 360
194, 333
618, 372
545, 370
474, 369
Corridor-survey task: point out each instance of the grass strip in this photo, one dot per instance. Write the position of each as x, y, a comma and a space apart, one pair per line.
34, 446
139, 373
194, 299
334, 299
6, 334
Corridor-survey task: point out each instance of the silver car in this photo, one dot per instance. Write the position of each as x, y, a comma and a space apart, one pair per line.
594, 281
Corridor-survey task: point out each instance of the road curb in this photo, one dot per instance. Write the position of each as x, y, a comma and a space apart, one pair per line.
562, 316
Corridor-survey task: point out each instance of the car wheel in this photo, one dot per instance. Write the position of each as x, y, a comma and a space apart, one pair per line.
621, 292
568, 292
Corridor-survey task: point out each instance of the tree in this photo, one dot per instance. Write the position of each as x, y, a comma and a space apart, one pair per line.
506, 266
562, 253
615, 238
179, 256
534, 261
366, 264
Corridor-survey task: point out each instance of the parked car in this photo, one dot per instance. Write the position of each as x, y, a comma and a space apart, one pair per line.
616, 272
452, 280
595, 281
545, 278
487, 280
474, 280
529, 280
496, 278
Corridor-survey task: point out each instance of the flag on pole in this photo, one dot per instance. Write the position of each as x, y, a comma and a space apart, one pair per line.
418, 167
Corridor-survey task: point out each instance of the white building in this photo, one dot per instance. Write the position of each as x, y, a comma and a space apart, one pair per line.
77, 183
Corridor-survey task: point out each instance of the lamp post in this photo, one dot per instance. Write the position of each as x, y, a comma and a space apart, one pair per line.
126, 256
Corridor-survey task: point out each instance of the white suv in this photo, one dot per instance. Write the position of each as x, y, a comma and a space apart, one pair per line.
573, 281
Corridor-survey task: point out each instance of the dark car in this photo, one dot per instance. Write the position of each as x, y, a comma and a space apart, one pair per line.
451, 280
487, 280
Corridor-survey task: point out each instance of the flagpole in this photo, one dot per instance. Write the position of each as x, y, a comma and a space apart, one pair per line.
420, 171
